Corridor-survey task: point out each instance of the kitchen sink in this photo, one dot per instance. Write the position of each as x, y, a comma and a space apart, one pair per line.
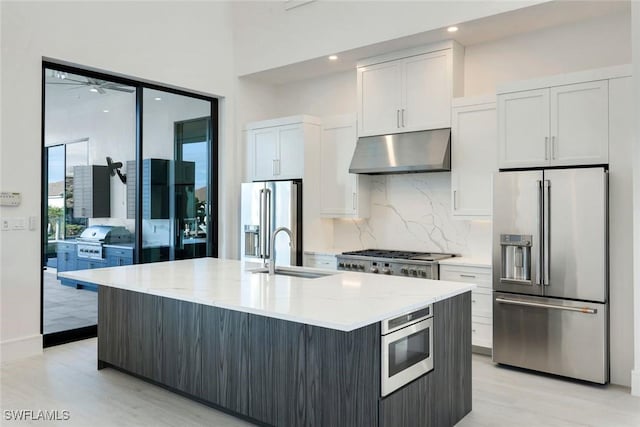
305, 274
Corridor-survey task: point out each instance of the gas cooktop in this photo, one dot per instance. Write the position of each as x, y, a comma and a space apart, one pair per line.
393, 262
394, 254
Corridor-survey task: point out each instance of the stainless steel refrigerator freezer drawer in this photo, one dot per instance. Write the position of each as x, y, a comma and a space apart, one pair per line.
551, 335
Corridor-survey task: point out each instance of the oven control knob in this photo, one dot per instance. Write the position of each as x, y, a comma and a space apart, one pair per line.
361, 267
412, 272
374, 269
341, 265
423, 273
386, 271
404, 270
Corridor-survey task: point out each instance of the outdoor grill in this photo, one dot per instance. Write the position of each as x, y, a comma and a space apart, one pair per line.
93, 238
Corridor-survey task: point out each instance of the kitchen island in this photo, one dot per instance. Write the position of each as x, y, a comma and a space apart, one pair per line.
282, 350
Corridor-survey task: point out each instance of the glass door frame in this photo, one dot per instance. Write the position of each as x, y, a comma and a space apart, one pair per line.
212, 214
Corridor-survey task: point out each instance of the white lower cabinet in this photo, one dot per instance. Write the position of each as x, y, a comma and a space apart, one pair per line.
482, 331
481, 299
317, 260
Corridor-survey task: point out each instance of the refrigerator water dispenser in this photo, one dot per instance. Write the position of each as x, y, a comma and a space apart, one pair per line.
252, 240
516, 258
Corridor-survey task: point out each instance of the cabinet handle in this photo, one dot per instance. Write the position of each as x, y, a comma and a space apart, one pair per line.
553, 147
403, 118
546, 148
398, 119
354, 200
455, 197
273, 167
468, 275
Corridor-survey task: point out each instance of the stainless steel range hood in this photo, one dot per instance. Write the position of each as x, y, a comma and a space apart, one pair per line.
424, 151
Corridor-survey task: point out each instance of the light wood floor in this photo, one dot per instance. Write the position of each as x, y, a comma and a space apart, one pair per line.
65, 378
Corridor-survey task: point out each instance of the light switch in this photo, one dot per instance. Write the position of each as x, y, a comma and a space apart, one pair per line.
33, 223
18, 223
5, 224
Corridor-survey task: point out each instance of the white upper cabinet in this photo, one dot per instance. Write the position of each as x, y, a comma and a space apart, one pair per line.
523, 128
409, 90
559, 125
342, 194
380, 97
290, 160
264, 145
277, 148
473, 156
580, 123
426, 92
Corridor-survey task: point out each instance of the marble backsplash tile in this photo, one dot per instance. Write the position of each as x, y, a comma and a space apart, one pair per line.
413, 212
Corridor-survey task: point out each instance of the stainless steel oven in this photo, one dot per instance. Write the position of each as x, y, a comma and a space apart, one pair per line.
407, 348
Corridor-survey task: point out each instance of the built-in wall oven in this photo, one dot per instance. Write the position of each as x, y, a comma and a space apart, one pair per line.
407, 348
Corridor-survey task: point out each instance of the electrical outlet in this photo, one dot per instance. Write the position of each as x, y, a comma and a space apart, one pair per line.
5, 224
33, 223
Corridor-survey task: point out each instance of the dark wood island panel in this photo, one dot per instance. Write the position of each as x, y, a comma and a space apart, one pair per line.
443, 397
276, 372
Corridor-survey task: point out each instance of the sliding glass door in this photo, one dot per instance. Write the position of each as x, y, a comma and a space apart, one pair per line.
175, 190
89, 127
121, 158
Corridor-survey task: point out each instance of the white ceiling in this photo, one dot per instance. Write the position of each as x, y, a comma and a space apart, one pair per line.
68, 94
541, 16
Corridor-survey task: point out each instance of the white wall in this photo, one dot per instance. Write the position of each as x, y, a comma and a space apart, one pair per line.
325, 27
334, 94
621, 131
580, 46
636, 197
130, 38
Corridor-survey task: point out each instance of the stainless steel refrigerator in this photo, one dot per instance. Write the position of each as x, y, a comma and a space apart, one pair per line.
550, 271
266, 206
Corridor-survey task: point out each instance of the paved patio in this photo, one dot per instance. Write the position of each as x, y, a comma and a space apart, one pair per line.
66, 307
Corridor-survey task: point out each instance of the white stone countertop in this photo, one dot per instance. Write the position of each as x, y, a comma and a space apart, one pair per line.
343, 301
468, 261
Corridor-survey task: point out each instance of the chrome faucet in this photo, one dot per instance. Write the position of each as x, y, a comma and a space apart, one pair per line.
272, 248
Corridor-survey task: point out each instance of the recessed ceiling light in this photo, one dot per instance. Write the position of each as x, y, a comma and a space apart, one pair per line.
157, 98
105, 111
333, 58
452, 29
93, 89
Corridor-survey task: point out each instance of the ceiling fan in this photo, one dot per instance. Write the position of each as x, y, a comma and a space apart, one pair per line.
94, 85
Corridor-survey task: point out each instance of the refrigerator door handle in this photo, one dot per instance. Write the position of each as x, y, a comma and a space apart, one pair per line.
546, 226
267, 222
539, 279
585, 310
262, 225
